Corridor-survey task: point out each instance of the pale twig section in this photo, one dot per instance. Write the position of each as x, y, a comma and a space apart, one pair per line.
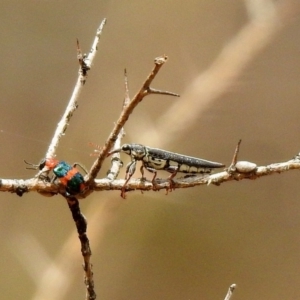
127, 110
72, 105
230, 291
239, 52
116, 162
90, 57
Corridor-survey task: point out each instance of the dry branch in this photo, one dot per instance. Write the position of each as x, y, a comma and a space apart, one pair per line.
127, 110
237, 171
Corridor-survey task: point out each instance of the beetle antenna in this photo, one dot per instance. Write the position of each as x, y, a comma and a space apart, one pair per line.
81, 166
114, 151
32, 166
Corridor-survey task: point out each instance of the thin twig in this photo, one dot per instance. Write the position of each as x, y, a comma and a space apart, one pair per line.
160, 92
144, 91
116, 162
230, 291
115, 159
240, 166
90, 57
81, 226
84, 68
236, 152
72, 106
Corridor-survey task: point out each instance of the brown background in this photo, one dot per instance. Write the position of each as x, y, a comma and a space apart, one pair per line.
193, 243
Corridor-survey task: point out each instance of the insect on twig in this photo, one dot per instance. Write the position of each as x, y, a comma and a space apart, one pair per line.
154, 159
68, 175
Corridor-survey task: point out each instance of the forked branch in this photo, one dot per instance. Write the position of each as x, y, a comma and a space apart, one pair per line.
127, 110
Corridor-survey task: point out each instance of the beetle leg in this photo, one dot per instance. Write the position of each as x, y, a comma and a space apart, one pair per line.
81, 166
130, 169
53, 179
173, 170
45, 177
154, 183
142, 178
142, 172
152, 170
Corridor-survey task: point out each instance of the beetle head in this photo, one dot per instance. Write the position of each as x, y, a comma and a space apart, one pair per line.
136, 150
50, 163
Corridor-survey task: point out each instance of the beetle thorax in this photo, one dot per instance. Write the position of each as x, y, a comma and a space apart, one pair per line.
138, 151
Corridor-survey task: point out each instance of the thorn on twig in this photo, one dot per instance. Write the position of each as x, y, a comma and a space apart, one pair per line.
83, 66
240, 166
232, 168
236, 152
155, 91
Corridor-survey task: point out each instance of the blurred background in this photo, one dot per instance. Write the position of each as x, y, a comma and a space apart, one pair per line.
236, 65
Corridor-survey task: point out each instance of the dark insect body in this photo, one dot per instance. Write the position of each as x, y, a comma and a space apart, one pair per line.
154, 159
68, 175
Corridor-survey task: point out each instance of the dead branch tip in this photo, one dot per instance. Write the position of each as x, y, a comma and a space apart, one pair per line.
160, 60
230, 291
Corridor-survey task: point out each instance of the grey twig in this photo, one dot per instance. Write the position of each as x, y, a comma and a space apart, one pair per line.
160, 92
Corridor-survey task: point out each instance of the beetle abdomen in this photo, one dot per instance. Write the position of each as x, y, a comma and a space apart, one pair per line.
188, 164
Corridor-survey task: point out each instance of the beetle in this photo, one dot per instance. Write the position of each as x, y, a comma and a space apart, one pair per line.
68, 175
154, 159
